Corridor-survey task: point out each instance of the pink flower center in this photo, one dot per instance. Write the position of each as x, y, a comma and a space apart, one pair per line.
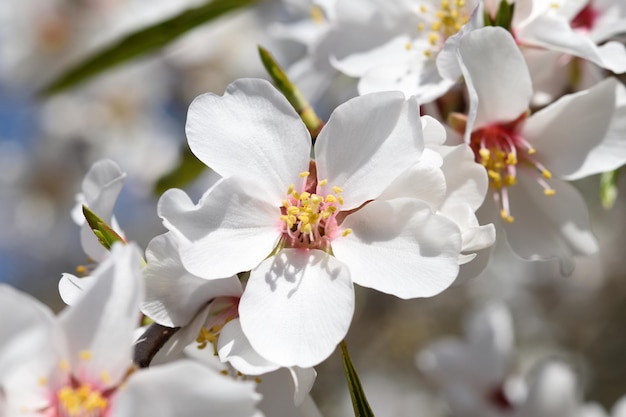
585, 19
309, 218
502, 151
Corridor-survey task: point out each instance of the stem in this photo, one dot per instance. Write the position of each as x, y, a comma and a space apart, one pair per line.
150, 342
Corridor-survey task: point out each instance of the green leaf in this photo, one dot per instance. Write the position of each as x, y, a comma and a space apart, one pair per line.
505, 15
608, 188
105, 233
359, 400
188, 169
144, 41
313, 123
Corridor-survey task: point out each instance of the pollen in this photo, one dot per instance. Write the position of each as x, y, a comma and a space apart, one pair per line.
207, 336
309, 218
81, 401
505, 153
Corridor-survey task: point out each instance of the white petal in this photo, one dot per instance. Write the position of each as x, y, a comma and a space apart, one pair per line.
465, 179
367, 142
276, 388
173, 295
393, 52
611, 152
400, 247
303, 380
27, 336
447, 62
297, 306
71, 287
253, 132
229, 230
104, 318
497, 79
565, 132
552, 392
421, 181
100, 187
555, 33
234, 347
549, 226
419, 79
433, 131
185, 389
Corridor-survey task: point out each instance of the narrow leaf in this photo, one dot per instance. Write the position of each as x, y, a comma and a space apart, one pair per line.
505, 15
105, 233
608, 188
313, 123
189, 168
143, 41
359, 400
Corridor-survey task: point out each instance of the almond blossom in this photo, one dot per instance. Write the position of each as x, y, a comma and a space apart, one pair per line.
402, 45
100, 189
206, 312
80, 363
568, 44
528, 157
283, 216
579, 28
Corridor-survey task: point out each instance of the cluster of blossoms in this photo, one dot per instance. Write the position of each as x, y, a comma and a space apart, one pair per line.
403, 190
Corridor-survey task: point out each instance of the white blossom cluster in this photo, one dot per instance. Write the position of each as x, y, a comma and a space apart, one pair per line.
459, 127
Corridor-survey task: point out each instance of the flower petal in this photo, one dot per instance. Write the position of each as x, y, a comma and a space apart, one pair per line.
276, 388
555, 33
224, 223
251, 131
401, 248
466, 180
173, 295
419, 78
28, 336
610, 153
367, 142
297, 307
71, 287
497, 78
565, 132
100, 187
549, 226
185, 389
103, 320
422, 181
233, 347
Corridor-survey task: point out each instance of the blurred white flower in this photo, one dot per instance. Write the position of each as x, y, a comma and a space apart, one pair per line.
80, 363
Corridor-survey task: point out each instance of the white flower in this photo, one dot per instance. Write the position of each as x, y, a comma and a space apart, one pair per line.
528, 157
273, 200
100, 189
574, 27
474, 374
206, 311
80, 363
401, 45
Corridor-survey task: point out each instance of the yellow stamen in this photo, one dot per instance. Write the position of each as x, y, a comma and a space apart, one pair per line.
546, 174
346, 232
549, 191
85, 355
506, 216
304, 174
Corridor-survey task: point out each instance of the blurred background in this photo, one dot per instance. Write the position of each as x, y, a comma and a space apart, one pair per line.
135, 114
